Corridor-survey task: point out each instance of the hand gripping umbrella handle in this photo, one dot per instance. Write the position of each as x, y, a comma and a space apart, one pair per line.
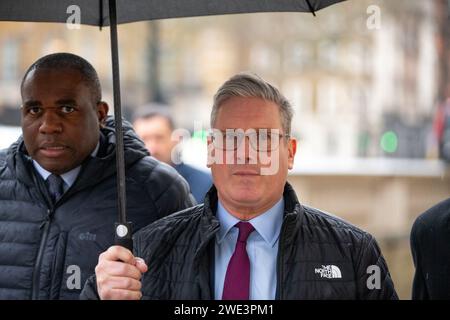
123, 235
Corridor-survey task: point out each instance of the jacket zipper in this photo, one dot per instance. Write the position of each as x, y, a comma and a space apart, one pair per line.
279, 294
37, 266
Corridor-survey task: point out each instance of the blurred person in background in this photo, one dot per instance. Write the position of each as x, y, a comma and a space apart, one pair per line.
441, 129
430, 247
155, 126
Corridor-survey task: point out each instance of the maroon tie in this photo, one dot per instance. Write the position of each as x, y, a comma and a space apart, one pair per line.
237, 278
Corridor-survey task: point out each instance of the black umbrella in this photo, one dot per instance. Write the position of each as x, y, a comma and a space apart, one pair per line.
111, 12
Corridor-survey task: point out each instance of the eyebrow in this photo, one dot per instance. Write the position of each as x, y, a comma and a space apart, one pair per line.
31, 103
256, 129
66, 101
34, 103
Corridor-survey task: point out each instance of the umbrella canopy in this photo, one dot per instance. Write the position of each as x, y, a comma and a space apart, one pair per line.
111, 12
96, 12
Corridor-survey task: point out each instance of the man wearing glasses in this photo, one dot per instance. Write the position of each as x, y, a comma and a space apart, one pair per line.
251, 239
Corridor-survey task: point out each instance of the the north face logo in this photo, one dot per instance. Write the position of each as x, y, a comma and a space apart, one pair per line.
329, 272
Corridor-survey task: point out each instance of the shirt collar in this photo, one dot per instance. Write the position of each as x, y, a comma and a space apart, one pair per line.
69, 177
267, 224
227, 221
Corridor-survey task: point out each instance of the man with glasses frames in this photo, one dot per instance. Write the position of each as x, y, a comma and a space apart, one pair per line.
260, 139
251, 239
262, 143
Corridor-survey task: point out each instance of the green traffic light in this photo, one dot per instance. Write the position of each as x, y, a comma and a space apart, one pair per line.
389, 142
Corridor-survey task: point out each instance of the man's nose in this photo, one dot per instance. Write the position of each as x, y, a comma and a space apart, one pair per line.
245, 153
51, 123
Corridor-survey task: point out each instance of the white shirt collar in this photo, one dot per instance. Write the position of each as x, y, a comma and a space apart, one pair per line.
69, 177
267, 224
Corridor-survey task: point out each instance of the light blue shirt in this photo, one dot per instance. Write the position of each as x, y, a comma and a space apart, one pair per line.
262, 249
69, 177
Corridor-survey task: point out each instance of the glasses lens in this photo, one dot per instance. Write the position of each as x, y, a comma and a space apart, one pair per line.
260, 140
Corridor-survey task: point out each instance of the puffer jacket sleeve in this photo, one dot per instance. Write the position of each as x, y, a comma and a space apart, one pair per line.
170, 193
374, 281
89, 291
173, 193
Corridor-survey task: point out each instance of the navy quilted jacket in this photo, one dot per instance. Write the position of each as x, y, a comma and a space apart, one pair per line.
48, 252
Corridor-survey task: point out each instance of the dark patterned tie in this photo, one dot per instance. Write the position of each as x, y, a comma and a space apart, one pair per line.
55, 186
237, 278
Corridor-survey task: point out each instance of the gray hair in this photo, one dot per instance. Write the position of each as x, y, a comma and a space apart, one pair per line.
249, 85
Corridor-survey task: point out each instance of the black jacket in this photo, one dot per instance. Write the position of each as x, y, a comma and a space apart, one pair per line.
430, 246
179, 252
48, 252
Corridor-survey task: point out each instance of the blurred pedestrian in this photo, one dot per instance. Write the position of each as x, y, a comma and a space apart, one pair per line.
441, 129
430, 247
155, 126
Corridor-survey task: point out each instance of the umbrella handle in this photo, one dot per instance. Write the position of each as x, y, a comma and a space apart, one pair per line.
123, 235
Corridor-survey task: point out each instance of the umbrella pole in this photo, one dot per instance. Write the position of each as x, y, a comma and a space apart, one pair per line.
123, 230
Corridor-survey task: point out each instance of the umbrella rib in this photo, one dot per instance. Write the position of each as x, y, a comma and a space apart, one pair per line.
311, 8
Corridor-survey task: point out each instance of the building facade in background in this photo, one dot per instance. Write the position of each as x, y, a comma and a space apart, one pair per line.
360, 87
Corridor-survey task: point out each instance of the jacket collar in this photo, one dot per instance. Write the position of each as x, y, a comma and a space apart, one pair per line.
204, 257
210, 223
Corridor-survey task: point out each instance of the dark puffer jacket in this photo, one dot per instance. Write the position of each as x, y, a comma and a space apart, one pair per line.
430, 247
48, 252
320, 256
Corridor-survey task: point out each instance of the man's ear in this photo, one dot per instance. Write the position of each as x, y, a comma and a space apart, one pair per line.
292, 149
102, 112
210, 151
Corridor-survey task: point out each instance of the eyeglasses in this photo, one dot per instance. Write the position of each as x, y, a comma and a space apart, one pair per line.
260, 139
